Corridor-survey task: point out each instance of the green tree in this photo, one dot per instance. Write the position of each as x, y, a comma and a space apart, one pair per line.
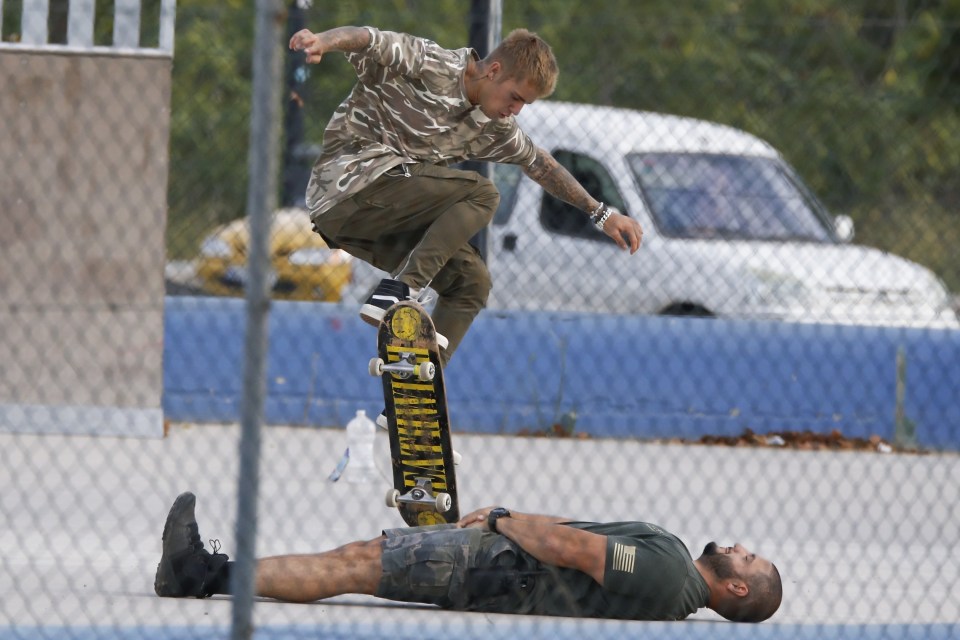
861, 97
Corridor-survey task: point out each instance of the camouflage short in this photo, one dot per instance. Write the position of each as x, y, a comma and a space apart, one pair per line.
428, 564
463, 569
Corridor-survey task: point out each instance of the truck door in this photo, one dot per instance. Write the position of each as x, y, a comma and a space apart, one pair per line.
546, 254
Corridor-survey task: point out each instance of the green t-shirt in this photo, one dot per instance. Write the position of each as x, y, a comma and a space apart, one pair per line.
649, 575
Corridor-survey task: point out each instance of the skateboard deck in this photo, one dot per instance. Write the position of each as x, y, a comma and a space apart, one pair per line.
408, 363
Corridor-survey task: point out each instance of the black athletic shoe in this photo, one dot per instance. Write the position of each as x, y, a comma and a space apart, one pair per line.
186, 569
388, 293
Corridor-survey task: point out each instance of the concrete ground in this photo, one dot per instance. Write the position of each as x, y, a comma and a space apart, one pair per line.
866, 542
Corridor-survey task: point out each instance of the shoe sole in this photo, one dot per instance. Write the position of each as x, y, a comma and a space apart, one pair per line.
165, 576
372, 314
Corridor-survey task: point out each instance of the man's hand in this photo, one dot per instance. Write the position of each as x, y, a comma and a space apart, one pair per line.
476, 519
314, 45
308, 42
624, 230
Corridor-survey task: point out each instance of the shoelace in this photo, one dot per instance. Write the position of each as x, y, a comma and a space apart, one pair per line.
194, 538
424, 297
215, 545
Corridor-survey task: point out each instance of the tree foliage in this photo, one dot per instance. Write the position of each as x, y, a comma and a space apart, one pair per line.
861, 96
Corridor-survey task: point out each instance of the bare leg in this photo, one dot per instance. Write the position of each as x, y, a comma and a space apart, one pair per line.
352, 568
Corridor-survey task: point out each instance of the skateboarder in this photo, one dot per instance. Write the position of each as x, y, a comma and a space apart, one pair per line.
382, 189
497, 561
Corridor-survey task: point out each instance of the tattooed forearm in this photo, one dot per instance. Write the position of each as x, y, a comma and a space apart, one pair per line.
558, 182
345, 39
315, 45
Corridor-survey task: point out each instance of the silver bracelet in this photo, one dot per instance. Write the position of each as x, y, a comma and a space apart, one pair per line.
602, 219
596, 212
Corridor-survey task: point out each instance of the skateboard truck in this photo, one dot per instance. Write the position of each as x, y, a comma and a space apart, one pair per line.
423, 494
406, 367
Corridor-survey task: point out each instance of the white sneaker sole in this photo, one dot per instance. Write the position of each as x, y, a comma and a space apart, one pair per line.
372, 314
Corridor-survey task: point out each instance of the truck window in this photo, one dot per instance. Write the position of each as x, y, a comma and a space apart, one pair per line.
559, 217
707, 196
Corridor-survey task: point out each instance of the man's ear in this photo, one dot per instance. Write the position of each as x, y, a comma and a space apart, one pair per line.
493, 70
738, 588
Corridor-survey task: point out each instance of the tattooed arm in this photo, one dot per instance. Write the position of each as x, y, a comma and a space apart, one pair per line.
558, 182
343, 39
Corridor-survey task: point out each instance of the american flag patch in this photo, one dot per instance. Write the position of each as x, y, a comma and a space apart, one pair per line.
623, 557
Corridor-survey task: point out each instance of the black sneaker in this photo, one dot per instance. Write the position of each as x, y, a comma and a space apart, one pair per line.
186, 569
388, 293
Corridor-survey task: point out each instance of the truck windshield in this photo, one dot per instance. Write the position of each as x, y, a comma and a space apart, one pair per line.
724, 196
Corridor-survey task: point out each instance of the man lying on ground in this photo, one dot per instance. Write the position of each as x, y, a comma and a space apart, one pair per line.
497, 561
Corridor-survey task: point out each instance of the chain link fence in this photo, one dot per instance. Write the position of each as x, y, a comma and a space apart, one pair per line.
778, 366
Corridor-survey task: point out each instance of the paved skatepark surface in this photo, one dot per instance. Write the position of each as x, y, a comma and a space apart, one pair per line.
866, 542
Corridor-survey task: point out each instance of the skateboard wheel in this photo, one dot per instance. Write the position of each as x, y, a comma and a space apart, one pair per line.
392, 497
444, 502
426, 371
376, 366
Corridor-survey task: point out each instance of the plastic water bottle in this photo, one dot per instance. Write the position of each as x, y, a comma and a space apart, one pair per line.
361, 433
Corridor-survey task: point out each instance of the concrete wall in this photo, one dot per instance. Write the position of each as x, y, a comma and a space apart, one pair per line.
83, 181
624, 376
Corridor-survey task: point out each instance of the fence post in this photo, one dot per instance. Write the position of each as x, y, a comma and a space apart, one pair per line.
260, 200
486, 17
904, 430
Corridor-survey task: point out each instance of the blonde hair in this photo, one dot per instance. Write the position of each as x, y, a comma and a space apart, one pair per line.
526, 56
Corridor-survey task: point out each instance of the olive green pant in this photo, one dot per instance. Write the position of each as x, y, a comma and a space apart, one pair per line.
416, 225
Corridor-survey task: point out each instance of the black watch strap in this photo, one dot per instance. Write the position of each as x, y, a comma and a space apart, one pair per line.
496, 514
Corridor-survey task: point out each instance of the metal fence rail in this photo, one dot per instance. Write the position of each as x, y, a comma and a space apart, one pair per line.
127, 20
777, 366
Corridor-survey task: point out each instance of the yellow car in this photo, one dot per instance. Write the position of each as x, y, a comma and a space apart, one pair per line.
302, 266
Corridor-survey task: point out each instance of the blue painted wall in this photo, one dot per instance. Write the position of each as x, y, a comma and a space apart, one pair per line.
623, 376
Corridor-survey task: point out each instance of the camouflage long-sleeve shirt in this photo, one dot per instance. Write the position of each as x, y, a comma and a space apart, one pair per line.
409, 105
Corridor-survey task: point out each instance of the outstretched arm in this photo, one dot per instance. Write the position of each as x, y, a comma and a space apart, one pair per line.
549, 541
344, 39
558, 182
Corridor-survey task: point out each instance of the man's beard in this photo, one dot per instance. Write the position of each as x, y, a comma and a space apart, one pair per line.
720, 563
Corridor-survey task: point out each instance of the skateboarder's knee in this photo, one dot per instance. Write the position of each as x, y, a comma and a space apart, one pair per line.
478, 282
465, 278
486, 195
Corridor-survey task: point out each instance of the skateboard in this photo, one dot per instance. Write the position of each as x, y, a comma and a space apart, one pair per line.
408, 363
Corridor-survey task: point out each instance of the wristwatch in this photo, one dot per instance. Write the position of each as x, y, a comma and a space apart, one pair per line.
496, 514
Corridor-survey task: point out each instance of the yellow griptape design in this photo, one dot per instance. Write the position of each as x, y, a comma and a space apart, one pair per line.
427, 518
406, 323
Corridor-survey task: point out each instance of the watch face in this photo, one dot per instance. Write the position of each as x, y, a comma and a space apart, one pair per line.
495, 515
